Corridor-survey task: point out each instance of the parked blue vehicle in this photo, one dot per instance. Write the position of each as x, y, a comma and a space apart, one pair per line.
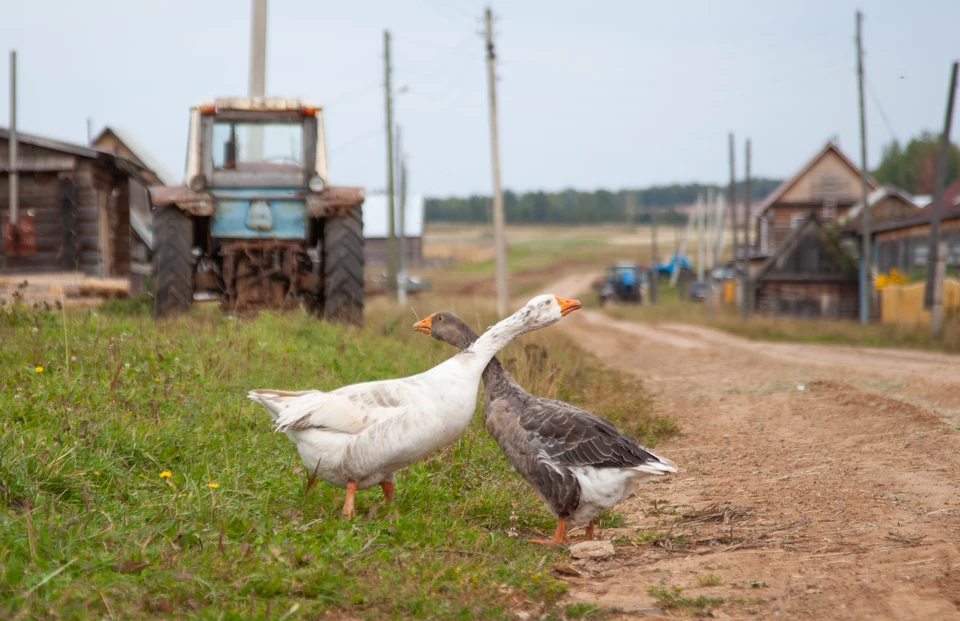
677, 261
256, 222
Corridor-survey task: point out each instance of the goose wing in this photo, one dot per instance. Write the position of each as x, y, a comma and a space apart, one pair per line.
569, 436
350, 409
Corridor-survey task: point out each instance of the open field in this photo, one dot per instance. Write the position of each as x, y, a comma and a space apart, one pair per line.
139, 482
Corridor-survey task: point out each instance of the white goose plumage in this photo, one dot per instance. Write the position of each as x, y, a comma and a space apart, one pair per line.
358, 436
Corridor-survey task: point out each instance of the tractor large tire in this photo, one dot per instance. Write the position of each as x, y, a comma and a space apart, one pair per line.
343, 268
172, 261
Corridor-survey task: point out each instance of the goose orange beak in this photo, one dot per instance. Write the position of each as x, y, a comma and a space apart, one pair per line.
423, 325
567, 306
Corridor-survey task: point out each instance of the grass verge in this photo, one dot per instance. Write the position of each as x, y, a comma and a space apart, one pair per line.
137, 481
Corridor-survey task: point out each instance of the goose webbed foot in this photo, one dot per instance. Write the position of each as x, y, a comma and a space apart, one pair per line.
388, 491
560, 536
348, 501
588, 536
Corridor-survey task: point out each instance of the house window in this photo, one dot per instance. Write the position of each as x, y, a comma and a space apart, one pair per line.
920, 254
953, 255
796, 220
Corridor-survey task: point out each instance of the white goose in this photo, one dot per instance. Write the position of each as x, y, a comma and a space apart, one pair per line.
358, 436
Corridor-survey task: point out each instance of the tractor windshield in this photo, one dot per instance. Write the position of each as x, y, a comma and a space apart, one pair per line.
246, 146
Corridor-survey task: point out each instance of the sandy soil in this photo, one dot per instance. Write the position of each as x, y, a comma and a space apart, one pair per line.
817, 482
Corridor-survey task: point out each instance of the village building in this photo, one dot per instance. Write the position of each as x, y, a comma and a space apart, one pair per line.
73, 202
808, 275
828, 184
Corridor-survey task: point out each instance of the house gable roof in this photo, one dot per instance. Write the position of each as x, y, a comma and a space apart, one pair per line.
789, 183
145, 157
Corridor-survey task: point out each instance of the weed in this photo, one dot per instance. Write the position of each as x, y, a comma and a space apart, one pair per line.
581, 610
672, 598
708, 581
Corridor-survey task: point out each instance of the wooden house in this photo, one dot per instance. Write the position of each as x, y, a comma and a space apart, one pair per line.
77, 199
808, 275
904, 243
120, 143
828, 185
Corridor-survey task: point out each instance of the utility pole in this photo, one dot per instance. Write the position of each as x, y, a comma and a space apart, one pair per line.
391, 230
258, 70
866, 257
628, 208
732, 202
14, 171
499, 235
89, 130
937, 208
401, 259
654, 273
747, 303
701, 247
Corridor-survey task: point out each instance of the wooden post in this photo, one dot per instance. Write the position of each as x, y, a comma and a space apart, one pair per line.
499, 234
68, 224
401, 258
14, 205
391, 231
938, 183
866, 257
654, 274
258, 71
747, 303
939, 271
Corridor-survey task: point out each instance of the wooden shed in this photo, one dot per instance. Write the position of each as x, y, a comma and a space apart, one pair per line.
828, 185
904, 243
78, 200
809, 275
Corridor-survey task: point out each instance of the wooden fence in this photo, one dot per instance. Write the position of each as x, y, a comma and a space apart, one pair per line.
903, 304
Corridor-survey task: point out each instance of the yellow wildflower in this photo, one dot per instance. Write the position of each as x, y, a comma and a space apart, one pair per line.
39, 368
96, 473
212, 485
156, 379
166, 474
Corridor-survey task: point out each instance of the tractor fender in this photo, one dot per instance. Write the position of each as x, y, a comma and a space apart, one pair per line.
194, 203
335, 201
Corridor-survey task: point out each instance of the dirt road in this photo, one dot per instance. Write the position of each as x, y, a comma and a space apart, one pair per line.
817, 482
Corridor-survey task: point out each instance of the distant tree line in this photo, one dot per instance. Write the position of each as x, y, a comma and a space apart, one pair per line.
575, 207
913, 168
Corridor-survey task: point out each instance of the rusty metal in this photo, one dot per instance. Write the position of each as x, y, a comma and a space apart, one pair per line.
195, 203
19, 239
261, 274
334, 201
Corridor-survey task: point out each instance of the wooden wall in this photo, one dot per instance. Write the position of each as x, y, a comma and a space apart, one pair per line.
898, 248
808, 299
375, 251
69, 207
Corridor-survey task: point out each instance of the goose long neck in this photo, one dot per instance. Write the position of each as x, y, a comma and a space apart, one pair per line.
494, 375
496, 338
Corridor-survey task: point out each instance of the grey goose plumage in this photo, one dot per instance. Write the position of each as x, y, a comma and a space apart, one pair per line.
579, 463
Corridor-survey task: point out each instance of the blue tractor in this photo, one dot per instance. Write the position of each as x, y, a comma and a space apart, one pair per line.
256, 224
624, 282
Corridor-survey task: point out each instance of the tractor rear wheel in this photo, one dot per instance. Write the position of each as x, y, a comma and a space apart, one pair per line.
343, 267
172, 261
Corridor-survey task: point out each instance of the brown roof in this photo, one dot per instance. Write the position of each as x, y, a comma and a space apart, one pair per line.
789, 183
951, 201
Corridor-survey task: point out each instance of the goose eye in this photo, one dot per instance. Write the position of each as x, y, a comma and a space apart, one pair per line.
439, 317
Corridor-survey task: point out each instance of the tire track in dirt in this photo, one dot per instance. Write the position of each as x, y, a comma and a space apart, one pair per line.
800, 494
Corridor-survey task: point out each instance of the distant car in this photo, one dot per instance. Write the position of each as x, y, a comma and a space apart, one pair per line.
414, 284
698, 290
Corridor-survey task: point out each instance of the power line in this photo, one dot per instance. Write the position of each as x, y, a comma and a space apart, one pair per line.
876, 102
444, 15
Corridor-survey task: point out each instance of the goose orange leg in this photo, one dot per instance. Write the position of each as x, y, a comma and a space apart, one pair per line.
560, 536
388, 492
589, 534
348, 502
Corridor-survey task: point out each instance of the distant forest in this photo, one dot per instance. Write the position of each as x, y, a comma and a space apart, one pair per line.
574, 207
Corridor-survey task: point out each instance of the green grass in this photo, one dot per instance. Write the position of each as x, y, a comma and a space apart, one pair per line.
97, 405
672, 598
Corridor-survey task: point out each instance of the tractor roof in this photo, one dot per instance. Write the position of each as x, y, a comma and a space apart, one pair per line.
258, 104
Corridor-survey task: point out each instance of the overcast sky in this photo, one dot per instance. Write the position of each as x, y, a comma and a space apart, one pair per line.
606, 94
